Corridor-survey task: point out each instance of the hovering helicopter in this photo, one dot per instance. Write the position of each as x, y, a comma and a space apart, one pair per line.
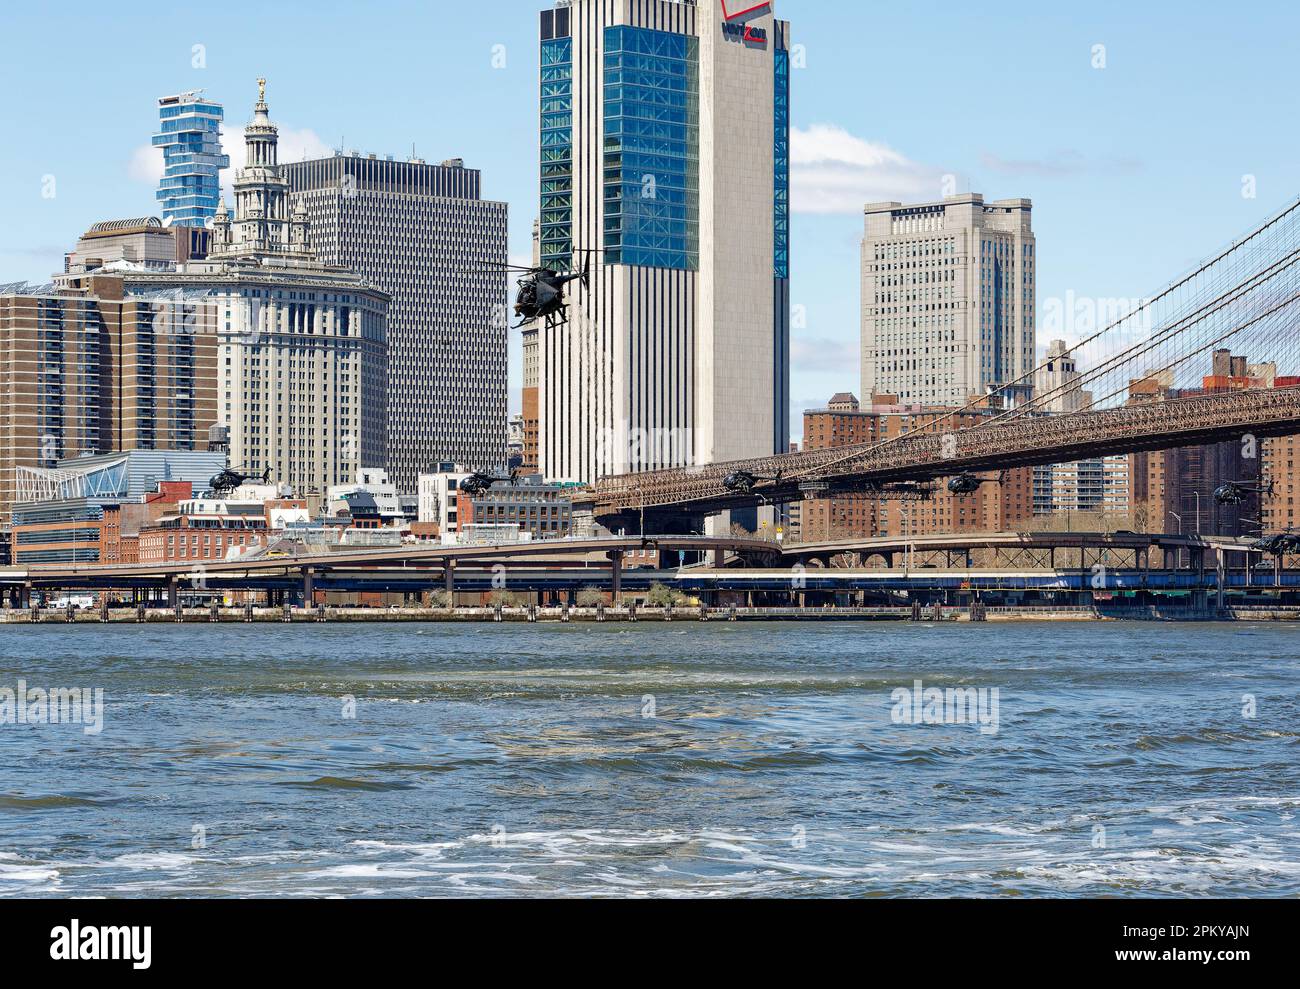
230, 479
744, 482
541, 291
968, 484
1236, 492
1281, 544
479, 482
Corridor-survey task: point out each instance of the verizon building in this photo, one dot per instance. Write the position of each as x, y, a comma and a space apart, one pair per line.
665, 153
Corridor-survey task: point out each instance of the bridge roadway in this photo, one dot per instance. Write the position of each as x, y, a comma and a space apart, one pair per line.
416, 564
596, 559
1021, 561
1074, 580
1026, 545
925, 456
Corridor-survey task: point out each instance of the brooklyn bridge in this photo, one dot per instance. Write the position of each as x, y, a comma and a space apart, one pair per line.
1245, 298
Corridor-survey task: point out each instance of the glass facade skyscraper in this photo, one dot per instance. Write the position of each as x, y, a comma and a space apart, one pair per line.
781, 59
557, 153
664, 152
652, 149
190, 139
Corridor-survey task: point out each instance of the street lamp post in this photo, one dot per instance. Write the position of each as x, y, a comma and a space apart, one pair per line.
1180, 522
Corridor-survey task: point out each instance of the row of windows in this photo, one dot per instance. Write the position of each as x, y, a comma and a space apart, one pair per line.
556, 236
651, 109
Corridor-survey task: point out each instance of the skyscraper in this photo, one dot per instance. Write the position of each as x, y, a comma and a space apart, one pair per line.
85, 370
664, 160
948, 300
424, 234
303, 361
1098, 485
190, 138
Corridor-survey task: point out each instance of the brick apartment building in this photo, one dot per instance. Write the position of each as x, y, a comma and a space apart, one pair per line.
994, 508
85, 370
1174, 489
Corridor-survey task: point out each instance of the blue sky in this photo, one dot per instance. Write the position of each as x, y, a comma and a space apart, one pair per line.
1136, 169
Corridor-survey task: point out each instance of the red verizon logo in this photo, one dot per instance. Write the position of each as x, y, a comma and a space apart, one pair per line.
752, 9
744, 32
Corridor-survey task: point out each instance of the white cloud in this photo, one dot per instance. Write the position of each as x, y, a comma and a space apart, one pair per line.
146, 165
833, 171
295, 145
824, 355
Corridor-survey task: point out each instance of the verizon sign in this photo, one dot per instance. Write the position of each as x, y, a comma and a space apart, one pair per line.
736, 26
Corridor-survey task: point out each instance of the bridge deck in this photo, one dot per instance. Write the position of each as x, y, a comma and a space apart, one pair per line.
997, 446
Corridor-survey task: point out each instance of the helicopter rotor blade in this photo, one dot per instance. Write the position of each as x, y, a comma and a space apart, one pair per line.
504, 266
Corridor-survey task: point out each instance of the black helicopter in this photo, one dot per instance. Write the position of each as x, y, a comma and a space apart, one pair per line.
230, 479
968, 484
478, 482
744, 482
541, 292
1237, 492
1281, 544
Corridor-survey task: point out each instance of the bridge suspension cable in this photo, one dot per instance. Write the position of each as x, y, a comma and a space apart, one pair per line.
1245, 298
1243, 295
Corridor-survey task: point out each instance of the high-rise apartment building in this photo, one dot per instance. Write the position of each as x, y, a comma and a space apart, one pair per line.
1057, 382
1100, 485
423, 234
948, 300
1173, 490
303, 367
85, 370
190, 139
665, 163
531, 413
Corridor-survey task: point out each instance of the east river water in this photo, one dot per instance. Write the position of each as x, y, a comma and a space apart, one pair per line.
652, 760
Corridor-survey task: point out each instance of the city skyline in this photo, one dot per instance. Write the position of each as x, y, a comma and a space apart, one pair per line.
1106, 139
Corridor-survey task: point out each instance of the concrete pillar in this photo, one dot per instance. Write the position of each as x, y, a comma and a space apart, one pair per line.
616, 565
308, 587
1221, 572
173, 592
449, 582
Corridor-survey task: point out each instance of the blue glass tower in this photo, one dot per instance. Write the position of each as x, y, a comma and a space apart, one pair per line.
557, 152
190, 138
665, 164
652, 152
781, 157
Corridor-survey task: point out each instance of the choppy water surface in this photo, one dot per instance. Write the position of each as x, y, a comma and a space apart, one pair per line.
519, 761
